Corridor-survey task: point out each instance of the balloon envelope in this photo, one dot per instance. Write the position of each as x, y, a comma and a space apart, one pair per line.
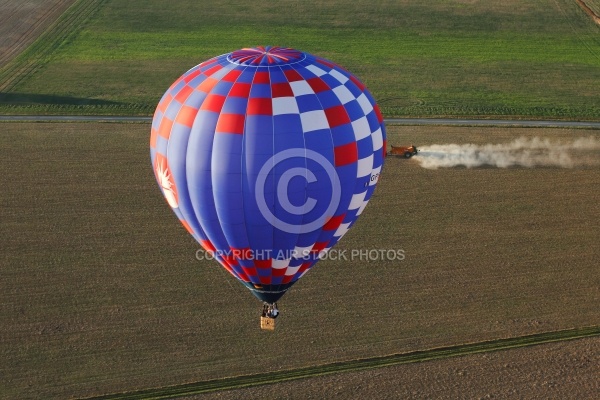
267, 156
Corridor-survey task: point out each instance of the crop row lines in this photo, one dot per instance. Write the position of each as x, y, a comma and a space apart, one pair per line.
353, 365
34, 57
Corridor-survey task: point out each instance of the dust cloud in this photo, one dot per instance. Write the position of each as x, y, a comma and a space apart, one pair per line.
522, 152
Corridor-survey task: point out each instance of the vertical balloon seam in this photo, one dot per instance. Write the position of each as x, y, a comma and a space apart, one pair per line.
211, 240
318, 231
190, 178
278, 287
243, 150
170, 144
233, 257
345, 205
153, 140
341, 206
240, 258
221, 260
291, 252
217, 239
268, 70
230, 247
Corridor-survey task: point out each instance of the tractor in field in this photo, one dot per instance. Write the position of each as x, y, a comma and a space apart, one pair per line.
403, 151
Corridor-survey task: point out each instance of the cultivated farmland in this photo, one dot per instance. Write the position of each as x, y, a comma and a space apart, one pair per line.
101, 291
437, 58
557, 370
100, 288
23, 21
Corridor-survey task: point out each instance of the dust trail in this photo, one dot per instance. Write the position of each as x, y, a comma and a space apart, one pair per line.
524, 152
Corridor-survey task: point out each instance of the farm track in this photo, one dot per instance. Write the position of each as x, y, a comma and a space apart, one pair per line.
595, 17
391, 121
354, 365
28, 62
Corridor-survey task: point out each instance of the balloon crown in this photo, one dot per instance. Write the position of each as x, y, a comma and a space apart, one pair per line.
266, 55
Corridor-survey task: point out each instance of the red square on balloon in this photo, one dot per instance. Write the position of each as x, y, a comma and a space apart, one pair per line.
183, 94
319, 247
304, 267
317, 84
186, 116
230, 123
212, 70
337, 116
153, 137
192, 75
346, 154
213, 102
262, 263
249, 271
232, 75
282, 89
334, 222
207, 245
292, 75
164, 129
207, 85
260, 106
240, 90
164, 103
261, 77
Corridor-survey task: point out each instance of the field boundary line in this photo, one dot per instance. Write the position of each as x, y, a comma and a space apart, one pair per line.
243, 381
589, 11
42, 49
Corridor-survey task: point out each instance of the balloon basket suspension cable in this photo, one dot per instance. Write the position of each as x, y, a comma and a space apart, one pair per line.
267, 318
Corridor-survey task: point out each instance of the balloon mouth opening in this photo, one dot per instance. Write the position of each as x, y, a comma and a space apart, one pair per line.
265, 56
268, 293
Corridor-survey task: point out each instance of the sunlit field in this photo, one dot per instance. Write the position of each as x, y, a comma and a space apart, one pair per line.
102, 291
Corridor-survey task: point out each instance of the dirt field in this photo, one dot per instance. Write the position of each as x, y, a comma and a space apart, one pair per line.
101, 292
21, 22
567, 370
589, 8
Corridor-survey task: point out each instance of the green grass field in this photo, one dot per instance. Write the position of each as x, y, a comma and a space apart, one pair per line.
101, 292
438, 58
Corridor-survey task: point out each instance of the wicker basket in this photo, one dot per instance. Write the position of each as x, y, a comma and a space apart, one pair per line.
267, 323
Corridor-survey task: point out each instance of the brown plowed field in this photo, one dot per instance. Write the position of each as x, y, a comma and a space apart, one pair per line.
567, 370
101, 291
21, 22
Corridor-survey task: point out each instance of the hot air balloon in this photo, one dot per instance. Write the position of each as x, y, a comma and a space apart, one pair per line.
267, 156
